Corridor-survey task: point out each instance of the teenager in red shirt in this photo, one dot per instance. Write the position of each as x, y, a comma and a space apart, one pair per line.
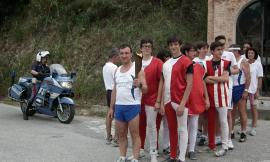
177, 73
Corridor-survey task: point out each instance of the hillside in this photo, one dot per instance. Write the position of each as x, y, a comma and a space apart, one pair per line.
79, 33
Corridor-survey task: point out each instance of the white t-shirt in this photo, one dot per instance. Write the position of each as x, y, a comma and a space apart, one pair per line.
167, 73
256, 71
126, 93
145, 63
202, 61
108, 75
229, 56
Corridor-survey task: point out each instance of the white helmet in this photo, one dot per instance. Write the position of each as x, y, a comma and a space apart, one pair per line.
41, 54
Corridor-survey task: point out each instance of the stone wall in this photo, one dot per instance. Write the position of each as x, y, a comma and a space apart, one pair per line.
222, 18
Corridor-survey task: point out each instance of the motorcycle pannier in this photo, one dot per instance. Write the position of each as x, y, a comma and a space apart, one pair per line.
15, 92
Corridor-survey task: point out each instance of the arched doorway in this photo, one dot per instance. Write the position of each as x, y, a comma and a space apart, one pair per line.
253, 25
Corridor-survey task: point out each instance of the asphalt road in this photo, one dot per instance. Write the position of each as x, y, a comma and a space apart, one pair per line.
44, 139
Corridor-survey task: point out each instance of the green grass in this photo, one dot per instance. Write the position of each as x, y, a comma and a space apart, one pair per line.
79, 34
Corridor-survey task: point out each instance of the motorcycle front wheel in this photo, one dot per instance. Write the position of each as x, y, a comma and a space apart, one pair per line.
67, 115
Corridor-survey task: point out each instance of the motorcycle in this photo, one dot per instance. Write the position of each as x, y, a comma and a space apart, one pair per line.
54, 97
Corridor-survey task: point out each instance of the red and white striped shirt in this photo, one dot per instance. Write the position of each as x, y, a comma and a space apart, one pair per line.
218, 92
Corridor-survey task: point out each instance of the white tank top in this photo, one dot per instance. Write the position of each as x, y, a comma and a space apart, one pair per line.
126, 94
239, 78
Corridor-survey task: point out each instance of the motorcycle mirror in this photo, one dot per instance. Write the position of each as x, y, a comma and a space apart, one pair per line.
73, 74
54, 75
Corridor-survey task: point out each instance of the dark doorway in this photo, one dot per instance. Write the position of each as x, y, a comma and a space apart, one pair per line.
253, 25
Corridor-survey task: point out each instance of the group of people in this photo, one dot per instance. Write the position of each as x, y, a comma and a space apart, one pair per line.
190, 89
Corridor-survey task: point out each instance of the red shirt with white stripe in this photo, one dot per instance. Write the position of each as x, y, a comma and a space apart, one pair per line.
196, 102
178, 81
217, 92
152, 75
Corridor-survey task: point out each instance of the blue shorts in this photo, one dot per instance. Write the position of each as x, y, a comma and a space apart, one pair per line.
237, 93
125, 113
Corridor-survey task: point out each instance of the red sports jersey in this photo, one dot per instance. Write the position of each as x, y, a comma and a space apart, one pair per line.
196, 102
218, 92
178, 81
152, 75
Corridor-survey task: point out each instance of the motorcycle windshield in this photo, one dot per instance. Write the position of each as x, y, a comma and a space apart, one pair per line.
58, 69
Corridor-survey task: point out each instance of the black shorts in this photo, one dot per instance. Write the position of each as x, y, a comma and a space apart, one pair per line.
108, 97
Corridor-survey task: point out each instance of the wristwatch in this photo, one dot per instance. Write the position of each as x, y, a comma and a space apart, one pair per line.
246, 90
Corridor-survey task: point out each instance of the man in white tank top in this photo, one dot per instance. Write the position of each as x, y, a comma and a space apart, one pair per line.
241, 84
125, 103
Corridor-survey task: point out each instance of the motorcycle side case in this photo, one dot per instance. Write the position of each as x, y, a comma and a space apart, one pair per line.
15, 92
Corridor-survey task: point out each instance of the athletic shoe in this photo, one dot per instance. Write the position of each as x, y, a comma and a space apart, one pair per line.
153, 155
121, 159
134, 160
115, 143
166, 151
220, 152
202, 141
253, 132
230, 145
192, 155
142, 154
109, 140
243, 137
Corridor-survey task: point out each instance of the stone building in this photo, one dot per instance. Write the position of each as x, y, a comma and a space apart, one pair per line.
243, 20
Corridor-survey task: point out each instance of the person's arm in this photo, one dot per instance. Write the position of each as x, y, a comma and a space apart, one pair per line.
208, 80
159, 95
142, 82
223, 78
259, 76
162, 109
234, 70
113, 99
206, 97
181, 108
246, 71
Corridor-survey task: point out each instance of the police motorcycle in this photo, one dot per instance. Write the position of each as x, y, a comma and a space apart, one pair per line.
54, 98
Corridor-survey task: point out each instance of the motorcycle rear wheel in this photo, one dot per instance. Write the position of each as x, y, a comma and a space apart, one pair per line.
67, 115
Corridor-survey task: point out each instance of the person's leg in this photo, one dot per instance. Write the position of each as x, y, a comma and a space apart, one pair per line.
108, 119
254, 112
151, 116
158, 124
192, 131
233, 114
133, 125
211, 119
172, 126
142, 126
222, 113
183, 134
122, 128
243, 114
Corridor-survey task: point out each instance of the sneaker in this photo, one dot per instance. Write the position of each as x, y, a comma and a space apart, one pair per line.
202, 140
220, 152
253, 132
230, 145
166, 151
115, 143
142, 154
109, 140
192, 155
153, 155
121, 159
243, 137
134, 160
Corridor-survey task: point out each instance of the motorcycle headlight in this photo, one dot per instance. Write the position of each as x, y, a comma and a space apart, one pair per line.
67, 85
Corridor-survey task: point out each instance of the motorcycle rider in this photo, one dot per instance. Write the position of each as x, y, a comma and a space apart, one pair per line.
39, 71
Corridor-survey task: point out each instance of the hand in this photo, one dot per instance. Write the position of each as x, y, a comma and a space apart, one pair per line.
245, 95
136, 83
110, 114
257, 95
162, 110
157, 106
207, 104
180, 110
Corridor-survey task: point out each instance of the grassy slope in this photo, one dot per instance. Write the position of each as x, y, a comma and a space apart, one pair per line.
79, 33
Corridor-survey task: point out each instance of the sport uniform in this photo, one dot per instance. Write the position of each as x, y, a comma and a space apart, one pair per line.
174, 72
128, 98
148, 115
218, 97
196, 104
108, 78
239, 81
